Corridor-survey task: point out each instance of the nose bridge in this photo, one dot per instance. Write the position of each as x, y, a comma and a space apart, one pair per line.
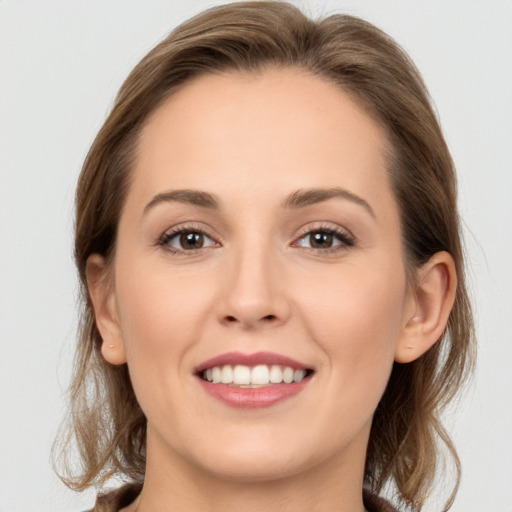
253, 291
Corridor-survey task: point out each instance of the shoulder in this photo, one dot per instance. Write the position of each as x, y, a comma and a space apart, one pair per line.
117, 499
114, 500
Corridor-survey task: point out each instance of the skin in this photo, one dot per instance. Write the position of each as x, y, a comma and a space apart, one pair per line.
257, 285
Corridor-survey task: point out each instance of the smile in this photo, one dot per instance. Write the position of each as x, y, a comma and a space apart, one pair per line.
252, 380
258, 376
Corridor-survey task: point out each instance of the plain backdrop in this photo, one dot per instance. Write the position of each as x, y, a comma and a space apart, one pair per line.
61, 63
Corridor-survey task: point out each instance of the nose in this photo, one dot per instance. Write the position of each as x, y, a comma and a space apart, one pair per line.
253, 295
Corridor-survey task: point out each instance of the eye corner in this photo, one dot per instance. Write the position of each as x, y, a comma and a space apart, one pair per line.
334, 238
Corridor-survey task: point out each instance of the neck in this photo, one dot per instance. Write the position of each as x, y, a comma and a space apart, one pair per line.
333, 485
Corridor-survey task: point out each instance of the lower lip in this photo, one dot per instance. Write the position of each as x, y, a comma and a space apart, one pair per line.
253, 398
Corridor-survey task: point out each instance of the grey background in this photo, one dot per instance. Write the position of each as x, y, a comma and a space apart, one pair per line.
61, 63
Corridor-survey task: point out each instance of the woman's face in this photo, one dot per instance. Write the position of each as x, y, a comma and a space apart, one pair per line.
259, 241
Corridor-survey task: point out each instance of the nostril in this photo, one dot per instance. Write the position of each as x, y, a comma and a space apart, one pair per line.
231, 318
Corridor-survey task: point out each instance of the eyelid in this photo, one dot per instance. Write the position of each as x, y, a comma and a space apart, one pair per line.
324, 226
343, 234
187, 227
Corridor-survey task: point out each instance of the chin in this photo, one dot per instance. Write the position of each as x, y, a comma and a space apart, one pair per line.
253, 460
247, 469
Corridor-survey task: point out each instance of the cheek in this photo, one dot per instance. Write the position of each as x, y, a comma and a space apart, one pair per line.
162, 315
355, 316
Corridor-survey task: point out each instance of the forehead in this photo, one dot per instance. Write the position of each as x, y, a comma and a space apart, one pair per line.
276, 129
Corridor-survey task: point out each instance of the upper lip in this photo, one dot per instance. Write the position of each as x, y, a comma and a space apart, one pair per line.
257, 358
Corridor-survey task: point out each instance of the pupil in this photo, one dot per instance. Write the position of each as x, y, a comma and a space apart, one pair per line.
321, 240
191, 240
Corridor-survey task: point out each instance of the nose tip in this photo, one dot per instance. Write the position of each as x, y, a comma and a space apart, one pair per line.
253, 295
254, 315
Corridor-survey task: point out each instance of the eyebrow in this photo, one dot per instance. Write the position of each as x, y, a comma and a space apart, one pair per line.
308, 197
195, 197
298, 199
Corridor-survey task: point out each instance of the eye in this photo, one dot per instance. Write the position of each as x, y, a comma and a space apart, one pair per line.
186, 240
325, 239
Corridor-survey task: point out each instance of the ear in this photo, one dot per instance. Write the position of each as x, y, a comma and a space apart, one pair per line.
102, 296
433, 295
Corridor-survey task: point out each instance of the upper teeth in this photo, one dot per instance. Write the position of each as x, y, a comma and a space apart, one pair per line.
260, 375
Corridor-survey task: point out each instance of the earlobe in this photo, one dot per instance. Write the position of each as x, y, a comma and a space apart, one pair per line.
105, 312
434, 295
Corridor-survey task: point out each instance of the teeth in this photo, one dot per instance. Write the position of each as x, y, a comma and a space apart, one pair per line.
215, 375
288, 375
276, 374
242, 374
226, 376
257, 376
298, 375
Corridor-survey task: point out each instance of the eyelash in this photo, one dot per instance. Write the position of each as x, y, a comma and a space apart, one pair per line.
345, 238
168, 236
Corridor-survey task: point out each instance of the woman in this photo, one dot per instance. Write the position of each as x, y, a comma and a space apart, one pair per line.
274, 306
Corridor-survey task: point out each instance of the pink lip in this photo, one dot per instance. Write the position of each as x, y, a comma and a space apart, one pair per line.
251, 398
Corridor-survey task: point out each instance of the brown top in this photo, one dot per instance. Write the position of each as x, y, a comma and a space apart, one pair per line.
122, 497
117, 499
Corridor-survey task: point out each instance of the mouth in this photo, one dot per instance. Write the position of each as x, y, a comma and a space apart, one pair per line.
258, 376
253, 380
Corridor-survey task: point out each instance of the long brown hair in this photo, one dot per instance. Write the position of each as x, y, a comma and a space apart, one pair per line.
106, 422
